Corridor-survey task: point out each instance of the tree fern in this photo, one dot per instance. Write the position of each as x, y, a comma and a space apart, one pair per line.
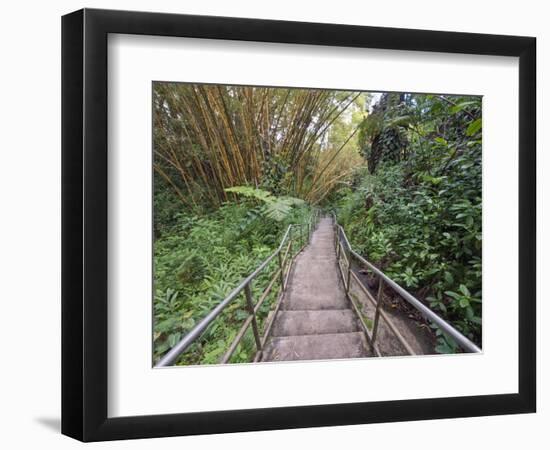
276, 208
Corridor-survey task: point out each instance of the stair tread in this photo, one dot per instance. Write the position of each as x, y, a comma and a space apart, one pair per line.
304, 302
316, 346
315, 320
304, 322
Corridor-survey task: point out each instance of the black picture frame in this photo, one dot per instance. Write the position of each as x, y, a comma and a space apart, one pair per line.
84, 224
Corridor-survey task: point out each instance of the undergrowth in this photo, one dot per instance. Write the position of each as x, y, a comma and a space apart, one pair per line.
199, 261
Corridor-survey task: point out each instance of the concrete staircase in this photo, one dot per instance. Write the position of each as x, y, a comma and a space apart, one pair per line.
315, 320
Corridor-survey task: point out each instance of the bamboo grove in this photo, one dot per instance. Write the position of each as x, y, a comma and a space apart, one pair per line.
209, 138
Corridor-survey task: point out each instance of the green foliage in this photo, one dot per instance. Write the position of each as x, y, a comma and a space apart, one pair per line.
419, 218
474, 127
198, 261
166, 206
276, 208
383, 136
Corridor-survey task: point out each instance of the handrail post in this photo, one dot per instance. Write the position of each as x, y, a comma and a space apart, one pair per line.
378, 306
290, 238
250, 307
349, 272
281, 272
338, 245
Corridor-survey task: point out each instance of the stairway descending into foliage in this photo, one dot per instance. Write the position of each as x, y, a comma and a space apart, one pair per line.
315, 320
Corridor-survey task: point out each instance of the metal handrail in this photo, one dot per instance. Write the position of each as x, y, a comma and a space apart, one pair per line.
174, 353
465, 343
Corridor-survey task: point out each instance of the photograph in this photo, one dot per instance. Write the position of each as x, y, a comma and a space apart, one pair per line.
300, 224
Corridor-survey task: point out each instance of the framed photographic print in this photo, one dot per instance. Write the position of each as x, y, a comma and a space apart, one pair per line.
273, 224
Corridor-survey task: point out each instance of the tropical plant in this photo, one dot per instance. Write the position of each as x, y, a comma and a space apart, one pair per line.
276, 208
417, 213
199, 260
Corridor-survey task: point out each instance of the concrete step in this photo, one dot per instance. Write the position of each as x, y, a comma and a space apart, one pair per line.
306, 301
313, 264
316, 286
328, 321
313, 347
315, 267
315, 320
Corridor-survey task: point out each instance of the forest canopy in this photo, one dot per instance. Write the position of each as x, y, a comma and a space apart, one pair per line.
234, 165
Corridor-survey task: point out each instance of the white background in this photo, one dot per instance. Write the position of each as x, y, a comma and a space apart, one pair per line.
135, 389
30, 237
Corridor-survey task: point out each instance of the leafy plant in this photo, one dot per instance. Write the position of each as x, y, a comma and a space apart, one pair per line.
418, 215
198, 261
276, 208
